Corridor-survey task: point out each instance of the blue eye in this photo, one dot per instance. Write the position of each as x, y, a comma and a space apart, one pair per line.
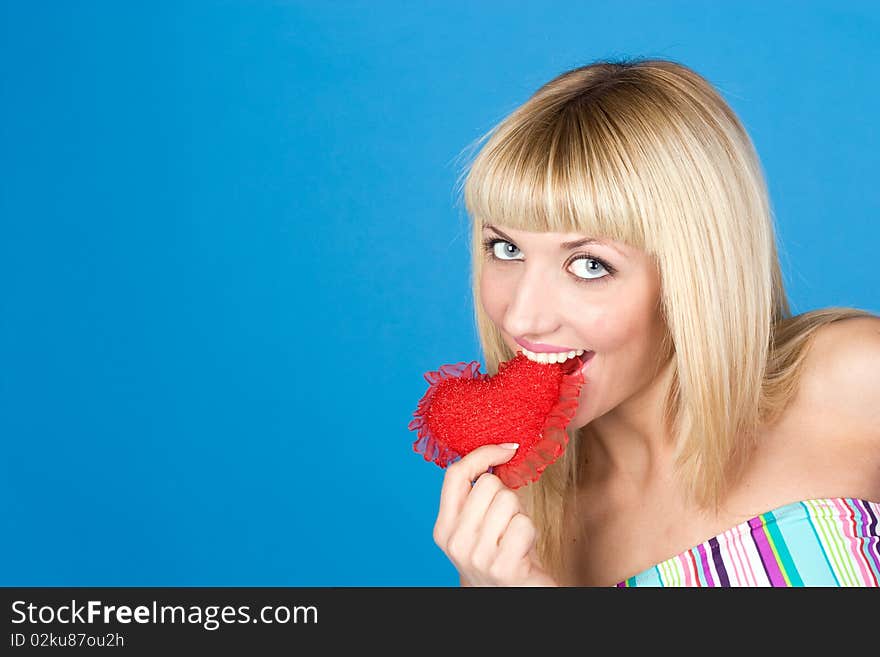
592, 266
502, 250
507, 251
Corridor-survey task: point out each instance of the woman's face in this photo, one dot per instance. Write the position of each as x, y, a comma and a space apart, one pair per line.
601, 297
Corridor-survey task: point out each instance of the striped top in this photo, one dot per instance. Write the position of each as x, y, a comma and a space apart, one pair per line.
819, 542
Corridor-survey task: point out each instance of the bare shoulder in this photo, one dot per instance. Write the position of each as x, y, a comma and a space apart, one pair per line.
828, 441
839, 406
842, 374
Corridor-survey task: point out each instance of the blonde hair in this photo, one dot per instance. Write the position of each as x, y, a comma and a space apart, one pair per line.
648, 153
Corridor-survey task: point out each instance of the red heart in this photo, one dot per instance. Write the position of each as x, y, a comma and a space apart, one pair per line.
525, 402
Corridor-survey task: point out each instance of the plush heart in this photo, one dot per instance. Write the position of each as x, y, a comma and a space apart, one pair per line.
525, 402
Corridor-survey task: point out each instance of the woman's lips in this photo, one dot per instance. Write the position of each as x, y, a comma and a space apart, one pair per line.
542, 348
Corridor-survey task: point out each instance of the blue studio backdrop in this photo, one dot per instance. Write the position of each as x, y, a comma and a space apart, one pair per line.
231, 246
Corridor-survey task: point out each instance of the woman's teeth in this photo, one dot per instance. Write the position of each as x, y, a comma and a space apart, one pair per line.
560, 357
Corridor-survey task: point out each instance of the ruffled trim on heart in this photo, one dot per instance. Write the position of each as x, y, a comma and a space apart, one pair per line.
520, 471
427, 443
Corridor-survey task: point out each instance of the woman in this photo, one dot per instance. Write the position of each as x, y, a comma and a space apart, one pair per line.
718, 439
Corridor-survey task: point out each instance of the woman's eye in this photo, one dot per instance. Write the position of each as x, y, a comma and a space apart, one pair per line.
588, 268
505, 250
585, 267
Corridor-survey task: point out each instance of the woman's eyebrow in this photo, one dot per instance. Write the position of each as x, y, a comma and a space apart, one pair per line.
564, 245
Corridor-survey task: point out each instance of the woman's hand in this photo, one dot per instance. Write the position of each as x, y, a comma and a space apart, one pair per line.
482, 527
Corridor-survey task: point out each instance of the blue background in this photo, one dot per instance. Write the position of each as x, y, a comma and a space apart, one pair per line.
231, 247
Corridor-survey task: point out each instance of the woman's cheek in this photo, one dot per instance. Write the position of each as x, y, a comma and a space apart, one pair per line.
593, 328
491, 297
609, 326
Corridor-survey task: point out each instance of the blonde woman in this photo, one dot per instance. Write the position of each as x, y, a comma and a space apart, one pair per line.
719, 441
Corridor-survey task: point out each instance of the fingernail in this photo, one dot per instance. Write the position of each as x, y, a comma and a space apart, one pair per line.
509, 445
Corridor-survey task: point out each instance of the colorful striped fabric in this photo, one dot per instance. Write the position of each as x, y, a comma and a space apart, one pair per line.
820, 542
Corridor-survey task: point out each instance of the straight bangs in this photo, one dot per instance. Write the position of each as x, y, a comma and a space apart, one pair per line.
563, 170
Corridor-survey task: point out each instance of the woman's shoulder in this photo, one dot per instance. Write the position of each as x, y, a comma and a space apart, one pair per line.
842, 375
830, 434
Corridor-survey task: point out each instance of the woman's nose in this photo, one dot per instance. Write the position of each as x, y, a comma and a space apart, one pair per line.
531, 309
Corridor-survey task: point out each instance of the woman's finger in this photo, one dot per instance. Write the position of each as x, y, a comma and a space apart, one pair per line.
517, 541
457, 484
503, 507
473, 513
